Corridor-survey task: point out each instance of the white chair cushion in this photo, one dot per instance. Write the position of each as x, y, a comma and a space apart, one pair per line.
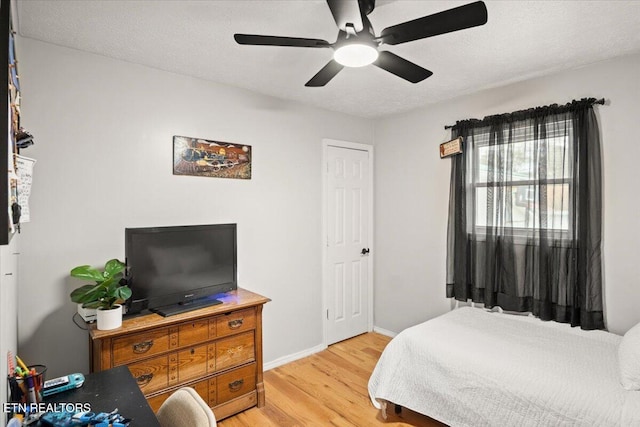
185, 408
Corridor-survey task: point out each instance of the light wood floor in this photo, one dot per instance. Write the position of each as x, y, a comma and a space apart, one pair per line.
326, 389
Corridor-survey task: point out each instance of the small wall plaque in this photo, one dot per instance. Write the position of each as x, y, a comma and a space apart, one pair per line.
451, 148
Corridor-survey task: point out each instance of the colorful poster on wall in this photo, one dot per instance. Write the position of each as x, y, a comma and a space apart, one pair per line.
203, 157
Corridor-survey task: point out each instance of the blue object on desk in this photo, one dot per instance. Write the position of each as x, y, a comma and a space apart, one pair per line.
61, 419
57, 385
14, 422
77, 419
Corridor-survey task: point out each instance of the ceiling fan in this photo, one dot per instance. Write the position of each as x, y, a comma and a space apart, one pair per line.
357, 45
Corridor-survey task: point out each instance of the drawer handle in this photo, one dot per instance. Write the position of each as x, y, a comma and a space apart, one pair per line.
142, 347
236, 385
235, 324
145, 379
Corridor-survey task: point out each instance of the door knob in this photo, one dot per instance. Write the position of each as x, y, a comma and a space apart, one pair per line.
365, 251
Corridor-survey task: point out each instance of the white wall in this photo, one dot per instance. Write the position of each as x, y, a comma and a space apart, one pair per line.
412, 190
103, 130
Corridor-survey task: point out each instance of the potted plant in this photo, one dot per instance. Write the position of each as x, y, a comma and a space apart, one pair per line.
105, 295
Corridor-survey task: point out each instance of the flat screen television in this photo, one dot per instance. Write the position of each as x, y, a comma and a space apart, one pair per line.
175, 269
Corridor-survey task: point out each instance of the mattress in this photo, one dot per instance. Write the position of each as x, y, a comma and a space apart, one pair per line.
471, 367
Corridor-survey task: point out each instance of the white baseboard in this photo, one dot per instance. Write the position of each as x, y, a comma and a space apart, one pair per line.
309, 351
384, 332
295, 356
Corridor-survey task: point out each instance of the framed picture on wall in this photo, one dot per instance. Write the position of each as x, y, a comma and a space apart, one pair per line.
204, 157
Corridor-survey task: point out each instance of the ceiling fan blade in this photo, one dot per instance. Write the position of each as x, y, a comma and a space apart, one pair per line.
323, 76
458, 18
346, 12
401, 67
257, 40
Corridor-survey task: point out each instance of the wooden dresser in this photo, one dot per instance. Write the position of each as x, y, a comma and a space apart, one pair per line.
216, 350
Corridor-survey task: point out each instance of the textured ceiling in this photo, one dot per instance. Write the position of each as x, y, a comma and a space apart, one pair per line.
521, 39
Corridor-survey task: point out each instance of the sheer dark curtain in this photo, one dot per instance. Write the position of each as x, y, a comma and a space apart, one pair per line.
525, 214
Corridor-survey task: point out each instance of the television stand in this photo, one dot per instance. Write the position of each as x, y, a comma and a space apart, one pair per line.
183, 307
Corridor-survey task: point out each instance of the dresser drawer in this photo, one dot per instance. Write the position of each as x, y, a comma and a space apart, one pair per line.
237, 321
193, 333
152, 374
137, 346
205, 388
236, 383
236, 350
192, 363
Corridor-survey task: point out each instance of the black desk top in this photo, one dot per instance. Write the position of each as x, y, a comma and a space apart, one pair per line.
108, 390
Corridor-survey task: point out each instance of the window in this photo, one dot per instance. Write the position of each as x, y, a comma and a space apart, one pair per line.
525, 213
522, 182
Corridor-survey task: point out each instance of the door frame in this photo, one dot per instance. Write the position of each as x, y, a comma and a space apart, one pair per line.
326, 143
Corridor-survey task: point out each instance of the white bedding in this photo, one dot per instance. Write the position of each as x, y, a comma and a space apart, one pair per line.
471, 367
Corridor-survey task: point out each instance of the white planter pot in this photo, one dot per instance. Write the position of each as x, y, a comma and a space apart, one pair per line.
109, 319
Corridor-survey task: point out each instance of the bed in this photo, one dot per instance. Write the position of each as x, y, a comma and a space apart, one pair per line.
472, 367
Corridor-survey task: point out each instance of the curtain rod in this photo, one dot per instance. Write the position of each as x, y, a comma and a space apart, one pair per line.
600, 101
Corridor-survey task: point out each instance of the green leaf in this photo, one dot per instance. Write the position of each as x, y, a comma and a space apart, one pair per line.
87, 272
85, 293
113, 267
93, 304
123, 293
109, 285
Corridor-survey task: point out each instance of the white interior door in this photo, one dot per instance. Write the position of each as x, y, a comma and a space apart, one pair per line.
348, 216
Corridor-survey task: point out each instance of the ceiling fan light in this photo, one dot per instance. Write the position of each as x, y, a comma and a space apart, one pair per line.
355, 55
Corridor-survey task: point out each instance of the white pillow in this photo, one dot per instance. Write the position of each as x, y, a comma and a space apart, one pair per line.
629, 359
